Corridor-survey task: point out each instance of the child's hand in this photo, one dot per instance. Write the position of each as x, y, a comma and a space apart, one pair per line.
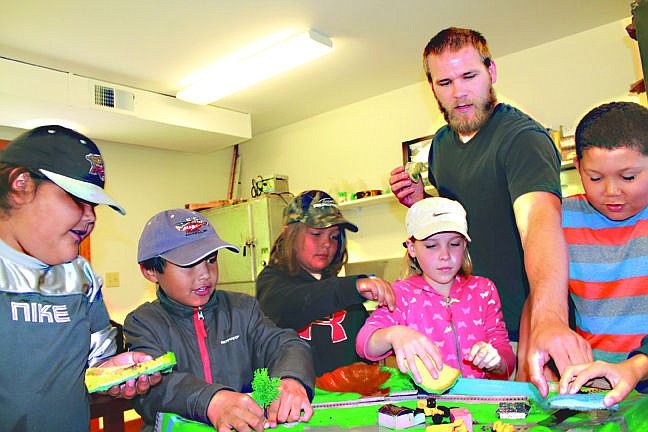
131, 388
292, 400
230, 410
486, 357
377, 289
409, 343
622, 376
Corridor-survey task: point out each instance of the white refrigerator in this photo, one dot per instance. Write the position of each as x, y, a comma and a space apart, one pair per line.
251, 226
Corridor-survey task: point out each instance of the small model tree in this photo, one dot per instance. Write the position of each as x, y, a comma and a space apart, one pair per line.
264, 389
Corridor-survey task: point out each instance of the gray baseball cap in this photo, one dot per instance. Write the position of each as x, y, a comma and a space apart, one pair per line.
182, 237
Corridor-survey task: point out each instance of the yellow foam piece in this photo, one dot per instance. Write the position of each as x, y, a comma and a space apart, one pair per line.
447, 377
101, 379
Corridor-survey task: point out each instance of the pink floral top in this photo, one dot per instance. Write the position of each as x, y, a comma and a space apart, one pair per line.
471, 313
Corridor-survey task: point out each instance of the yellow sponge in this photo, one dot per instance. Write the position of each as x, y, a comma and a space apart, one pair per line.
447, 377
101, 379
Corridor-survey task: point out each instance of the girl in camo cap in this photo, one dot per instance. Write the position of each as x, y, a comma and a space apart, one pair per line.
300, 288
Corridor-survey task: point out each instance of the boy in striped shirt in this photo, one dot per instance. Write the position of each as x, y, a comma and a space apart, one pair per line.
607, 233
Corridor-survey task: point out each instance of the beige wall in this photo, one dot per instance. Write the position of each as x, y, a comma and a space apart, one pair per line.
355, 147
144, 181
559, 82
351, 148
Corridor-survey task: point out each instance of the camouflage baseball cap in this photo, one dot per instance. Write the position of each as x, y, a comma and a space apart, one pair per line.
316, 209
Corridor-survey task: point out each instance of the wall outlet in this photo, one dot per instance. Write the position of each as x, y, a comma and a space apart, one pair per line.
112, 279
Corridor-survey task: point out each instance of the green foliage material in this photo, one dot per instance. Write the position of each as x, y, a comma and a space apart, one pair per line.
264, 389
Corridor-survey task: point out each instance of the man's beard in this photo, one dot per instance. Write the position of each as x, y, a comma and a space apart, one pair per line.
483, 111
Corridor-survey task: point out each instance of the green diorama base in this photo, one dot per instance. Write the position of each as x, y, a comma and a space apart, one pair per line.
350, 411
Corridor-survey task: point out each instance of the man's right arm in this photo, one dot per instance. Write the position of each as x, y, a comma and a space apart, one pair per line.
407, 191
544, 327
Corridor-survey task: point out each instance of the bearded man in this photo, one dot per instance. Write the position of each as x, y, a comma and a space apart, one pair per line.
505, 169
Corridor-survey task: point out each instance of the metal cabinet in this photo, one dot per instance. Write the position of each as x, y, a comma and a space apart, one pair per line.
252, 226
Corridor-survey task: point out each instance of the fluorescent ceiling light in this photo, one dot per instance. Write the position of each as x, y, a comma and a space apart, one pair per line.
230, 77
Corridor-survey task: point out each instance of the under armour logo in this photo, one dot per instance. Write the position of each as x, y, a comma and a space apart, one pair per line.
338, 334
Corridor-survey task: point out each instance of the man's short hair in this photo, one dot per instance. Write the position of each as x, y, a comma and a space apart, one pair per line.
453, 39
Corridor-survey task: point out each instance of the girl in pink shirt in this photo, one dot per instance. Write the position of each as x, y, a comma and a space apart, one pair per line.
443, 314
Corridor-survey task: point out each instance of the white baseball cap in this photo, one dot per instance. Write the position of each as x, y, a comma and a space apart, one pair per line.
434, 215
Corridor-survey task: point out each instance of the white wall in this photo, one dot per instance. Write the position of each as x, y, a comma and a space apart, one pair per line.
351, 148
558, 82
144, 181
355, 147
348, 149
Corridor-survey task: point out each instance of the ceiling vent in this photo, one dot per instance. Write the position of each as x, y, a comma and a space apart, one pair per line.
32, 95
112, 97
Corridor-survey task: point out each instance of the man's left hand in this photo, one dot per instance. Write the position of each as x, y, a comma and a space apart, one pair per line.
556, 341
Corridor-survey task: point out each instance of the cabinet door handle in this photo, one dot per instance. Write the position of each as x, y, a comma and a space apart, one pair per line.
248, 244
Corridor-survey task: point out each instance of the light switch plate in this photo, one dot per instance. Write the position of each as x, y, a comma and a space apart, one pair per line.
112, 279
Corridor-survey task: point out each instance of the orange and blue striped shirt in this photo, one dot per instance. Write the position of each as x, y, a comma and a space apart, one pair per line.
608, 277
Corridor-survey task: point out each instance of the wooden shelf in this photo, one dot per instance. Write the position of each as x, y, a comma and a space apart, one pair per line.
367, 201
380, 199
567, 165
